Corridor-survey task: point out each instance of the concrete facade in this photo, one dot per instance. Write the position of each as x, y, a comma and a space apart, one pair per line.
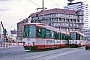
64, 19
60, 18
87, 33
80, 6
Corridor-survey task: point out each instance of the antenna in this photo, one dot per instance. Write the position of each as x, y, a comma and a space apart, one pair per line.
70, 1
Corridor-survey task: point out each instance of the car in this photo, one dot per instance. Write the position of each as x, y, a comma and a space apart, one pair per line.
87, 46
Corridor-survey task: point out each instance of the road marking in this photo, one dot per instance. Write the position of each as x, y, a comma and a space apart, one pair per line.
61, 54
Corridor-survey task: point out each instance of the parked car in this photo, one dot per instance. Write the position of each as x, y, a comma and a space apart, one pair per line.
87, 46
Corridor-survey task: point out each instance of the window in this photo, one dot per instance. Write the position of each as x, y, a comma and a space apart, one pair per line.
41, 32
62, 36
47, 33
78, 37
73, 36
26, 32
56, 35
29, 31
51, 34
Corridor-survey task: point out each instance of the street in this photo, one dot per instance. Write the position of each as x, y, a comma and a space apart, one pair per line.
18, 53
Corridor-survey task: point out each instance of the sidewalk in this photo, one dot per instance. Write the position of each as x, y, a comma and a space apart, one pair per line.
14, 45
11, 49
1, 48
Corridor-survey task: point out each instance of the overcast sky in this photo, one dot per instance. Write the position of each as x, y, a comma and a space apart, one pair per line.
13, 11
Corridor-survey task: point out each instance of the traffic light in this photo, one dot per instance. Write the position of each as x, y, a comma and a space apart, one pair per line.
4, 32
36, 15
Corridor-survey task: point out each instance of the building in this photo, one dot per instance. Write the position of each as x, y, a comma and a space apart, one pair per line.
80, 6
20, 26
87, 33
13, 35
64, 19
67, 20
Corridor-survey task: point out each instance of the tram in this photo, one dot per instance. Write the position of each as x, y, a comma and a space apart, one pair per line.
41, 36
77, 39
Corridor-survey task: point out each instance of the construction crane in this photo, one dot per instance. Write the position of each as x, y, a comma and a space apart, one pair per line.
4, 31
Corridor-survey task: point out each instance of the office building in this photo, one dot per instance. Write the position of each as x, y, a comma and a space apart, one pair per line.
60, 18
80, 6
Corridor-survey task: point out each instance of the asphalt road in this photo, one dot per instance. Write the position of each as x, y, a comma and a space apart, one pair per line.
18, 53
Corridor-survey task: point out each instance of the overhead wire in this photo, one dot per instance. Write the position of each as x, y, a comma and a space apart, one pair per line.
34, 3
55, 3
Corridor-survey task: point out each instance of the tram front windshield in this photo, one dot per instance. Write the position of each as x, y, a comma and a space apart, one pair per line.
29, 31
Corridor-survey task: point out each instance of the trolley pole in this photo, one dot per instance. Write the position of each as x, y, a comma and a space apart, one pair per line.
42, 10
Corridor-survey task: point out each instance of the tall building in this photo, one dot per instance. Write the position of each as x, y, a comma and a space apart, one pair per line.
87, 33
80, 6
64, 19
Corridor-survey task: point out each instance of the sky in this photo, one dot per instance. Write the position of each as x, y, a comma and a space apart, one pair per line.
13, 11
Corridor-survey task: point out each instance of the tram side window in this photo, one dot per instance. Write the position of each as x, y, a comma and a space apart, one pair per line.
47, 33
73, 36
59, 36
78, 36
55, 35
66, 37
43, 32
51, 34
84, 38
81, 37
39, 32
63, 36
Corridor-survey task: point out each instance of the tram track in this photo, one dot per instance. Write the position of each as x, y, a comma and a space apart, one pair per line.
34, 55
